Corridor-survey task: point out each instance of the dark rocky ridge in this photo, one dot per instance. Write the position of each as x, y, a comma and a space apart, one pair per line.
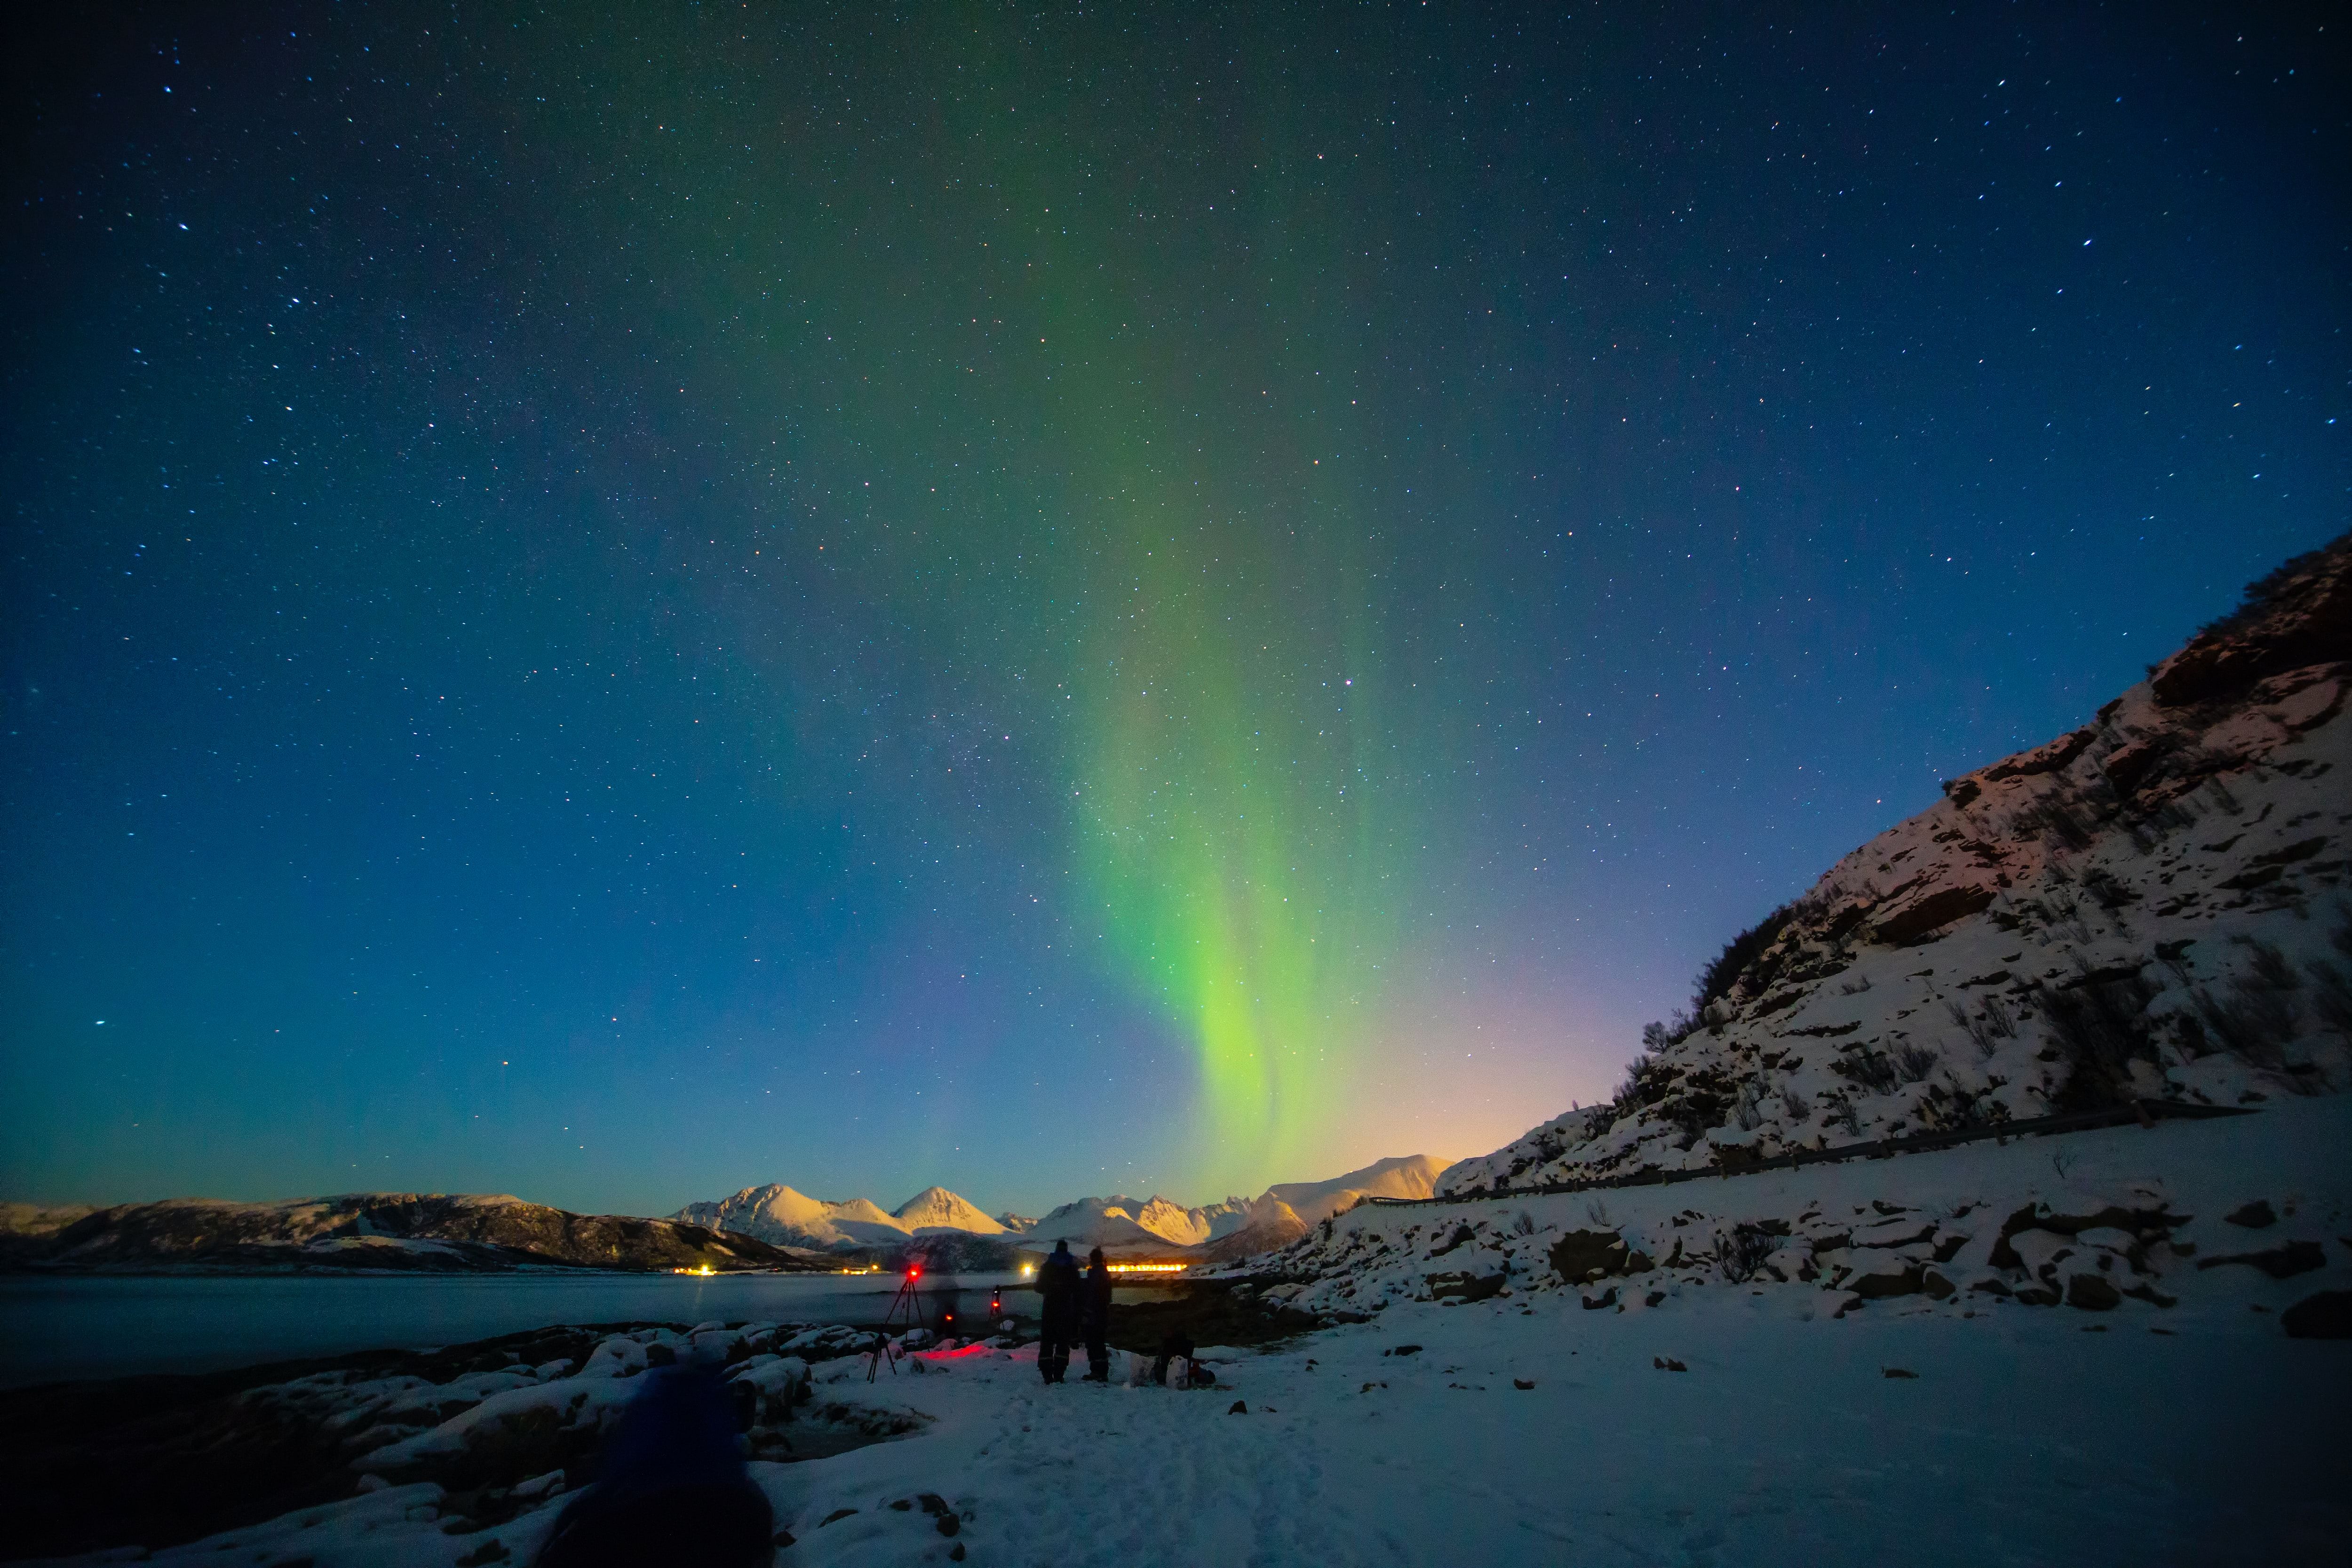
408, 1231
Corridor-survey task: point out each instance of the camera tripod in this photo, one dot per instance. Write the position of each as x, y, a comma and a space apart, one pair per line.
908, 1300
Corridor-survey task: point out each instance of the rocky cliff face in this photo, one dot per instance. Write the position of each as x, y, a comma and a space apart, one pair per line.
384, 1230
2151, 906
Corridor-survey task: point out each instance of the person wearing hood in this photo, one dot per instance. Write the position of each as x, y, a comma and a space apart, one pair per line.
1094, 1317
1058, 1311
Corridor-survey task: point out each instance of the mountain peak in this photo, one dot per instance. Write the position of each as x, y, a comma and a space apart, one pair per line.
936, 1209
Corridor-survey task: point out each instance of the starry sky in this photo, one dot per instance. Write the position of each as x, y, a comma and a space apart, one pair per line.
613, 603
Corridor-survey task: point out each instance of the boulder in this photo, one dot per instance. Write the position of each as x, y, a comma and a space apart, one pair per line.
1465, 1286
2093, 1293
1582, 1256
2326, 1316
1890, 1277
2278, 1262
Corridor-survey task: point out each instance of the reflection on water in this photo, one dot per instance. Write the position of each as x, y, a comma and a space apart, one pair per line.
55, 1328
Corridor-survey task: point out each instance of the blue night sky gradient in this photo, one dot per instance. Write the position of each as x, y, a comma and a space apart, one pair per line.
550, 557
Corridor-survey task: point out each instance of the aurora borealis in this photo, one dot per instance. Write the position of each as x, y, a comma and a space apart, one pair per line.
616, 606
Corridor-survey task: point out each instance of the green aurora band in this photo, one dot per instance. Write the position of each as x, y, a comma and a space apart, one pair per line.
1232, 825
1129, 484
1236, 825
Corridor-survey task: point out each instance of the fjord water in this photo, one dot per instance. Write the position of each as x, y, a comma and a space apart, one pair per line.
60, 1328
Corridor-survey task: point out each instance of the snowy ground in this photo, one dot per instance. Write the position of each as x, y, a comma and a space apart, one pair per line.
2026, 1434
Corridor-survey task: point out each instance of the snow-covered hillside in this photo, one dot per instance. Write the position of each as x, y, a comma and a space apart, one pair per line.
2151, 906
1407, 1176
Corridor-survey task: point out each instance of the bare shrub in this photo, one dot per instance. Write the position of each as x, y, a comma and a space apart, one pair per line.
1868, 1070
2099, 1028
2270, 965
1640, 1080
1843, 1112
2102, 886
1741, 1251
1746, 1111
1913, 1063
1793, 1107
1656, 1036
1716, 979
2252, 1021
1991, 1026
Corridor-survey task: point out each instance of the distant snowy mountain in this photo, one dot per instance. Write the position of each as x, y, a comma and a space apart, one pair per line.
936, 1209
2152, 906
785, 1218
1114, 1225
1237, 1227
1406, 1176
1122, 1227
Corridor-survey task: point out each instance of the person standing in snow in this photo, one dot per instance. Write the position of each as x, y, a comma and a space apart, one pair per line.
1058, 1310
1094, 1317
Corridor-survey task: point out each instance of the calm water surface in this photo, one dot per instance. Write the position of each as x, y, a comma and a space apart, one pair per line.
55, 1329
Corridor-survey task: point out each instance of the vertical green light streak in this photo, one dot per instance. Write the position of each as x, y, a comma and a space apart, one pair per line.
1229, 824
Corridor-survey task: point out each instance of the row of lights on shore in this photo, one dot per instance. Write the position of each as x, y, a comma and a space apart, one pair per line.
1028, 1270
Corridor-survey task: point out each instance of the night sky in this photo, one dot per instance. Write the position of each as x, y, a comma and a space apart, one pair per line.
613, 605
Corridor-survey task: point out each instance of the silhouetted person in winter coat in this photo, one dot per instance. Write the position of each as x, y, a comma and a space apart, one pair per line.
1094, 1317
1057, 1310
670, 1487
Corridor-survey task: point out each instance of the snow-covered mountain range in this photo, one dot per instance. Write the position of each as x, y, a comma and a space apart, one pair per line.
784, 1217
2150, 906
1120, 1225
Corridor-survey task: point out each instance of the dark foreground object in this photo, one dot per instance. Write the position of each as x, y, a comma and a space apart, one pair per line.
1202, 1312
2326, 1316
672, 1488
157, 1460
